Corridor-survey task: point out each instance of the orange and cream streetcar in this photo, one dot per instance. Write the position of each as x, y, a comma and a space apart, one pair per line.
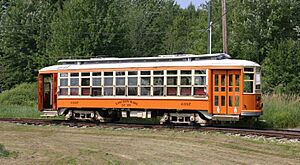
181, 88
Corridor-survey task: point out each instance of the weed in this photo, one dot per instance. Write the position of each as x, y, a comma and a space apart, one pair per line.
18, 111
5, 153
281, 111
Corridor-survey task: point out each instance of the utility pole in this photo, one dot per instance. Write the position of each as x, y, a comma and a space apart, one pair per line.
224, 27
209, 28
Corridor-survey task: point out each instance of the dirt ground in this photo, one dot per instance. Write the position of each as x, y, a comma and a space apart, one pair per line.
65, 145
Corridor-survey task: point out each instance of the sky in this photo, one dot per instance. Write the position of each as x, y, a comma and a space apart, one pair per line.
185, 3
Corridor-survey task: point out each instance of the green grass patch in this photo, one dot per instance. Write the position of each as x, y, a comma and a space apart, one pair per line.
24, 94
18, 111
4, 153
281, 111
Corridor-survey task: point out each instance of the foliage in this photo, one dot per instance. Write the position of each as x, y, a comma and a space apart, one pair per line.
282, 68
281, 111
24, 95
37, 33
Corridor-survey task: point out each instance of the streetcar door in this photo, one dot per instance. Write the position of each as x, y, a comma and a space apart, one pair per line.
47, 92
226, 91
234, 91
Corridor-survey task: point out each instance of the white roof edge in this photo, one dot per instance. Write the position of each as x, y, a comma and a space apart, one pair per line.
203, 63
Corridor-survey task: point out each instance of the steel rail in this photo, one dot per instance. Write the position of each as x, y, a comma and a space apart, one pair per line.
276, 133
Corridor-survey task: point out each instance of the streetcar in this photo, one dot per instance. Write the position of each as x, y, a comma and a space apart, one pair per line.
179, 88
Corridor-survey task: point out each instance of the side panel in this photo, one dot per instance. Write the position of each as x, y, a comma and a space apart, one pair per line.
133, 103
40, 92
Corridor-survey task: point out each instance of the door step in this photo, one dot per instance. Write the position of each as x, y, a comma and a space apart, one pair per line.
49, 113
226, 117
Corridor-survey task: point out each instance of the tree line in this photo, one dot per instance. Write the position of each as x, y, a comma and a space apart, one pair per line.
37, 33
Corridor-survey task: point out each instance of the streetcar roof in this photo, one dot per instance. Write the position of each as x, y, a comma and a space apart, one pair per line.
159, 58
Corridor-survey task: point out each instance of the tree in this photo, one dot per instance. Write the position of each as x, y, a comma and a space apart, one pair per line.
281, 68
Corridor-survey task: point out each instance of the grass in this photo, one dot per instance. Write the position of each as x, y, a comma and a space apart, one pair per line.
18, 111
281, 111
4, 153
65, 145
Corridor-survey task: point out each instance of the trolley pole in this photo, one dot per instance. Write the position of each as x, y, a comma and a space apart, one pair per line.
209, 28
224, 27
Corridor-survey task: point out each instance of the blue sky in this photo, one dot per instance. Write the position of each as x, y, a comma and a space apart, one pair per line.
185, 3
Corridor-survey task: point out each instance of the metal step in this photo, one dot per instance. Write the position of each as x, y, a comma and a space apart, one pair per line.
49, 113
226, 117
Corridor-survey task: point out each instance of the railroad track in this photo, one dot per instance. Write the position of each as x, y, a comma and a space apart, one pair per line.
279, 134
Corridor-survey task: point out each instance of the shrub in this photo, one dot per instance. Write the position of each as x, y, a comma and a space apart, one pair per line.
24, 94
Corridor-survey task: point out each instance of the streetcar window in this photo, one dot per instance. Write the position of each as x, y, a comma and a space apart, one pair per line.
96, 91
108, 81
222, 100
158, 72
186, 72
63, 91
172, 91
132, 72
249, 80
85, 91
74, 81
108, 73
158, 80
200, 71
257, 80
186, 80
248, 86
74, 74
200, 80
145, 91
230, 101
145, 72
248, 69
223, 79
96, 81
185, 91
120, 80
145, 80
172, 81
74, 91
132, 91
85, 81
172, 72
132, 80
237, 101
237, 80
158, 91
64, 82
85, 74
97, 74
199, 91
108, 91
216, 100
248, 76
120, 73
63, 74
120, 91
